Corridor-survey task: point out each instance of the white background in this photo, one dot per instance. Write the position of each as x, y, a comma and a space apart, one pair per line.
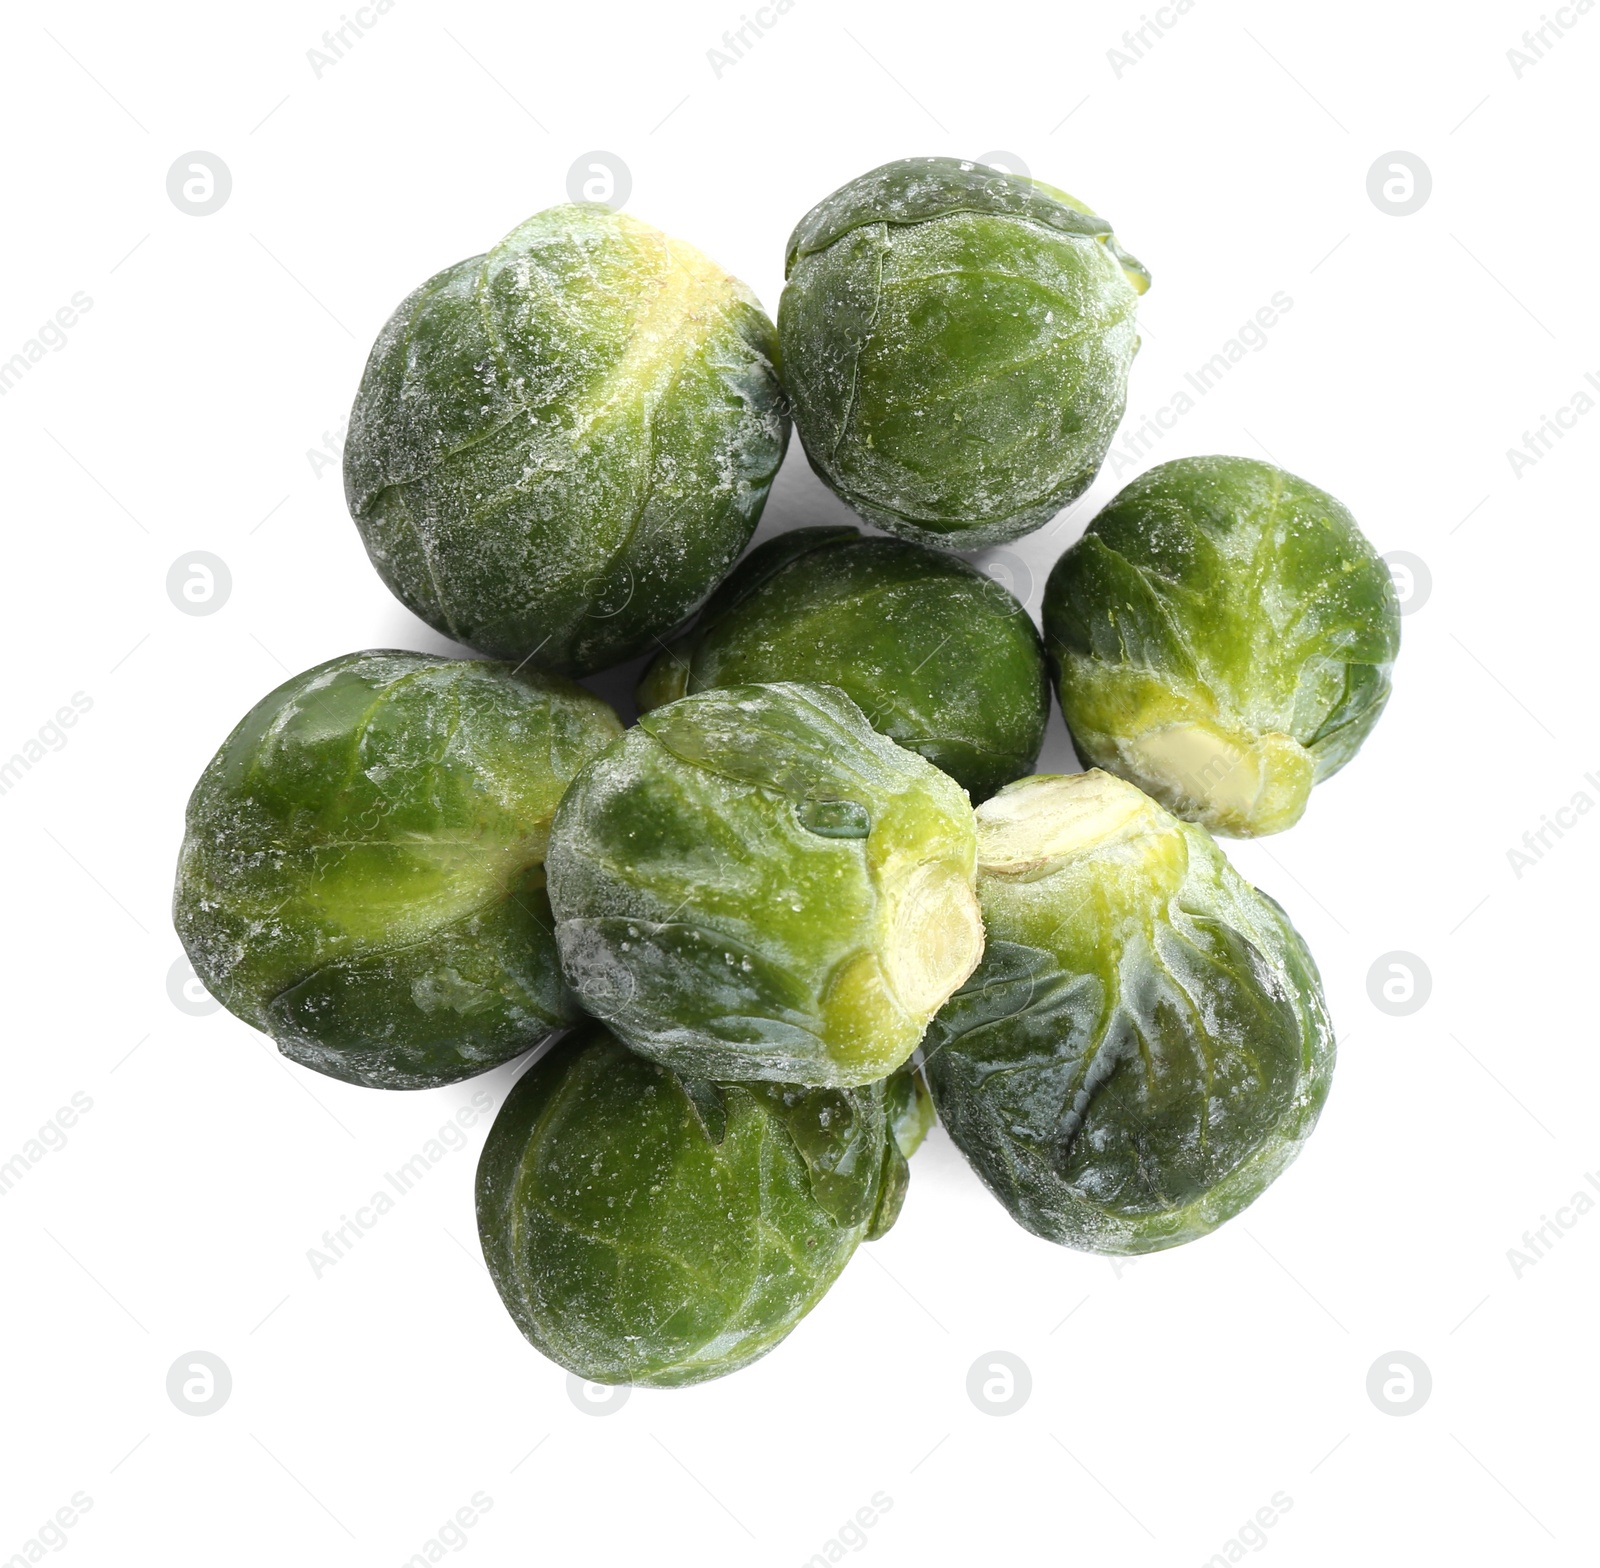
1171, 1398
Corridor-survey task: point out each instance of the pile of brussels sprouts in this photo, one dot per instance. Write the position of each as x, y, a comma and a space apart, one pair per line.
815, 894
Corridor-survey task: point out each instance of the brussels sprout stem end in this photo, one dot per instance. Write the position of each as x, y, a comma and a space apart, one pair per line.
1033, 827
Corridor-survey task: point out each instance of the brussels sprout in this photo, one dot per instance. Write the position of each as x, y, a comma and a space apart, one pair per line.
937, 655
560, 447
1145, 1045
1222, 635
754, 884
362, 875
647, 1228
955, 342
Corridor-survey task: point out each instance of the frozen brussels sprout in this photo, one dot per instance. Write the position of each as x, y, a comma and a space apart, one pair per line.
560, 447
1223, 636
955, 342
362, 873
647, 1228
754, 884
937, 655
1145, 1046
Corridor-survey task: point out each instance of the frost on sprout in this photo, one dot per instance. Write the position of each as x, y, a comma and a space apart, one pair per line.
1145, 1045
738, 1204
560, 446
957, 343
755, 885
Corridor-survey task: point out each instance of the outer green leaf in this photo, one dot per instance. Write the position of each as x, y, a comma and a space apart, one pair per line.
1145, 1046
908, 1108
633, 1246
937, 655
362, 873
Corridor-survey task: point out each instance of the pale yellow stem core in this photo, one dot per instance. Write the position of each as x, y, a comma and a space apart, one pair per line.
1034, 826
935, 936
1231, 784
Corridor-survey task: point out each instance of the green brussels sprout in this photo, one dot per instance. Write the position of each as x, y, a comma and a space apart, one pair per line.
937, 655
1145, 1046
754, 884
955, 342
647, 1228
1223, 636
559, 448
362, 873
